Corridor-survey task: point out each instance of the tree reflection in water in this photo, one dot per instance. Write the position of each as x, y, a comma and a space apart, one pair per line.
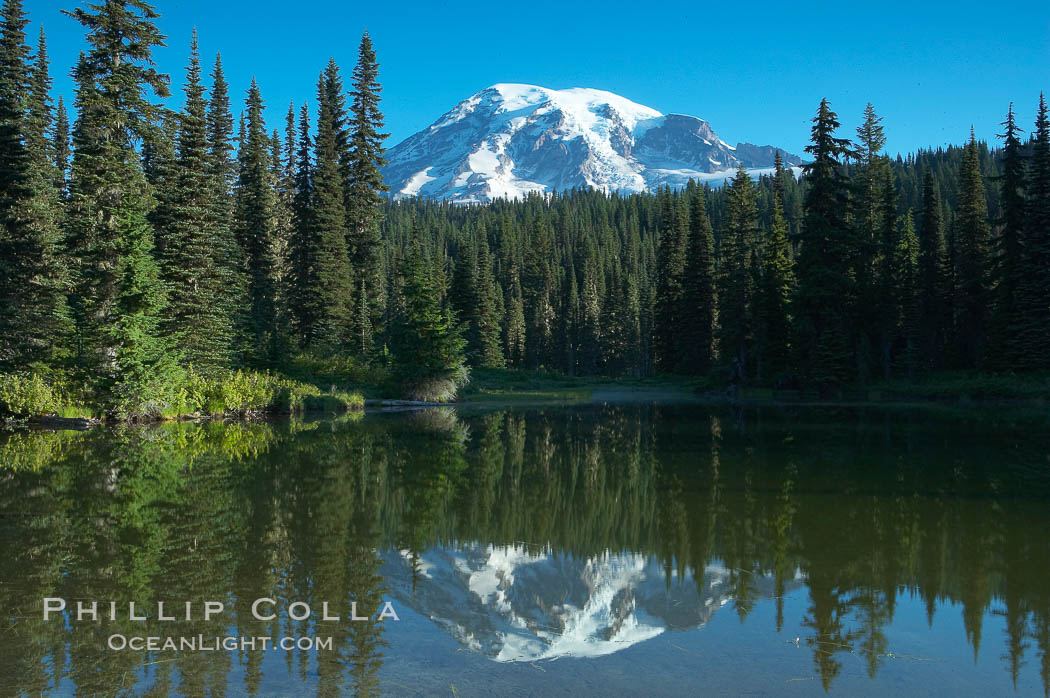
858, 507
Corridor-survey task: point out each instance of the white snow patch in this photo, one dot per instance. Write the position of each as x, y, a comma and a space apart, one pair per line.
416, 183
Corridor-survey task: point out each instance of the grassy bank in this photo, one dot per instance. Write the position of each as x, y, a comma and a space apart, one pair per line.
189, 395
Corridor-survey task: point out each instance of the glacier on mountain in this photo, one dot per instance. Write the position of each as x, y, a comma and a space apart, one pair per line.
509, 140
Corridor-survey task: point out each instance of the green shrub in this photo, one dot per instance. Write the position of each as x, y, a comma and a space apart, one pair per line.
242, 392
35, 395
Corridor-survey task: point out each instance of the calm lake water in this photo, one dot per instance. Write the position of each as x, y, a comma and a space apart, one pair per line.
599, 549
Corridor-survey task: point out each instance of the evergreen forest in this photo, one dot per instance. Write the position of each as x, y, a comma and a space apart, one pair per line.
157, 261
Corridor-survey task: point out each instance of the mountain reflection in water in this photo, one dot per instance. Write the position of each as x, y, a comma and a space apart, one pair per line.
532, 535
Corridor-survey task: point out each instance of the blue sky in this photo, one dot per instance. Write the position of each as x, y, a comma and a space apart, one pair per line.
756, 71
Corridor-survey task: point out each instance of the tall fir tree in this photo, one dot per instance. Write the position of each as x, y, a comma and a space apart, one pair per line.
671, 261
934, 281
777, 286
1008, 321
906, 283
255, 210
971, 272
280, 247
222, 175
301, 255
34, 324
364, 185
1032, 336
118, 296
14, 175
429, 345
192, 254
887, 301
826, 287
699, 298
736, 289
872, 248
328, 297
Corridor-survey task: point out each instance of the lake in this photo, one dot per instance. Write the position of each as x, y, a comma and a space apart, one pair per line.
633, 548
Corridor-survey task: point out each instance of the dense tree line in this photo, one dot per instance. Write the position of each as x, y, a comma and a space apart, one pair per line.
139, 242
150, 242
864, 267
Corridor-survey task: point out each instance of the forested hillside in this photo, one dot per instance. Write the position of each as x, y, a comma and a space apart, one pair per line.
146, 252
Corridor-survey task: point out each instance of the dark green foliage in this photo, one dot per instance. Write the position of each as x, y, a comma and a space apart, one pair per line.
774, 293
1007, 251
934, 280
907, 296
670, 271
192, 254
475, 298
1031, 336
887, 299
971, 262
325, 301
871, 243
289, 249
364, 186
826, 286
34, 324
430, 351
698, 311
300, 251
736, 276
221, 172
255, 213
117, 296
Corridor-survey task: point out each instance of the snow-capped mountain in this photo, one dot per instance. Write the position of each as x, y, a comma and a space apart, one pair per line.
514, 605
510, 139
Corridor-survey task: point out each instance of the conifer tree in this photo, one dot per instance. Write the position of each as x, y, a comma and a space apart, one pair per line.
191, 256
697, 332
907, 295
1008, 322
514, 328
327, 310
118, 296
255, 209
888, 300
590, 311
736, 280
1032, 336
489, 310
971, 260
773, 302
222, 175
33, 319
280, 246
825, 282
364, 185
872, 247
429, 346
14, 61
14, 174
671, 262
303, 230
934, 312
538, 298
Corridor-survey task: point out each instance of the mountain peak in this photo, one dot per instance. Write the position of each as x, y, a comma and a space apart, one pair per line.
511, 139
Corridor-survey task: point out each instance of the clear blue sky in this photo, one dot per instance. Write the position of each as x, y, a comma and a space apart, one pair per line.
756, 71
